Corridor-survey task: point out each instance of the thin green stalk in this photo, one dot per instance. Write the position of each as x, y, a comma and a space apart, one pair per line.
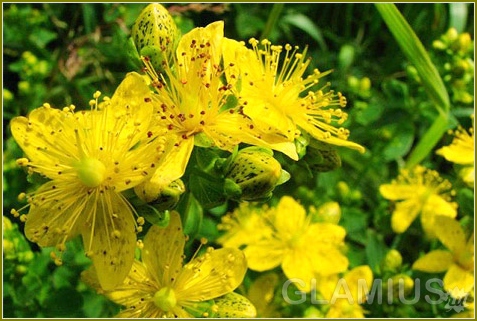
431, 80
272, 19
428, 141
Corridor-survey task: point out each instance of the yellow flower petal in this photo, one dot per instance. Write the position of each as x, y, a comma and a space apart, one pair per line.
321, 135
329, 261
40, 139
163, 249
261, 293
343, 309
458, 282
216, 273
468, 175
450, 233
458, 154
395, 192
358, 280
290, 216
298, 265
55, 219
111, 239
134, 292
212, 33
264, 255
326, 234
404, 214
434, 262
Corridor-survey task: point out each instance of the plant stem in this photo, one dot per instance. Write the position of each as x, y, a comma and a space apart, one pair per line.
272, 19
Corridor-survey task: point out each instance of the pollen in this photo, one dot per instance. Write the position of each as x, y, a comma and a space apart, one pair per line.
22, 161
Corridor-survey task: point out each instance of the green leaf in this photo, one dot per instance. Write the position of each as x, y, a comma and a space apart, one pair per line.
65, 302
192, 215
428, 141
400, 143
272, 20
208, 193
375, 249
304, 23
416, 54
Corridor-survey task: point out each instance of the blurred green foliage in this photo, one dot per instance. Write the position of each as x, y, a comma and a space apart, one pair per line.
62, 53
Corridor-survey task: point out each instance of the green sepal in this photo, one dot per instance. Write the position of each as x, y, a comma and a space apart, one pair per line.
153, 215
202, 309
133, 54
192, 215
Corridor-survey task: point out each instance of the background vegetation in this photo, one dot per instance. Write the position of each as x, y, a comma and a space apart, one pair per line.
63, 53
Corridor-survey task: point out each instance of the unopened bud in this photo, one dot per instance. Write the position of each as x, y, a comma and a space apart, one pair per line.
155, 35
321, 157
329, 212
399, 286
253, 175
161, 197
392, 261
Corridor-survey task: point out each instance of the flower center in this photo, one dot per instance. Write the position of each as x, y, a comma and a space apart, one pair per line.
165, 299
91, 172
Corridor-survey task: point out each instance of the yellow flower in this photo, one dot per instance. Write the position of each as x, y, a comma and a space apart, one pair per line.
192, 101
262, 294
90, 157
274, 93
245, 225
161, 286
458, 260
420, 191
301, 248
350, 293
461, 151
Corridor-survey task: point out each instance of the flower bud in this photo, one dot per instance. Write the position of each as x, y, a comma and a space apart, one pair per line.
329, 212
399, 286
160, 196
155, 35
234, 305
253, 174
392, 261
322, 157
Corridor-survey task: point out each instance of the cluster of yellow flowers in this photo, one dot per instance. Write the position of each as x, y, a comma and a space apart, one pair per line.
309, 252
197, 90
203, 90
423, 192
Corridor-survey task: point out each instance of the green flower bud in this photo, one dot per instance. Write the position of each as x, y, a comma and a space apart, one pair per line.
322, 157
329, 212
392, 261
253, 175
155, 35
160, 196
234, 305
399, 286
202, 309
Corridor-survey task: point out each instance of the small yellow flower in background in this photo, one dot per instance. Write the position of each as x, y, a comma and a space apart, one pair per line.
90, 157
274, 93
469, 305
245, 225
346, 294
161, 286
458, 260
192, 101
419, 191
302, 249
461, 152
262, 294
